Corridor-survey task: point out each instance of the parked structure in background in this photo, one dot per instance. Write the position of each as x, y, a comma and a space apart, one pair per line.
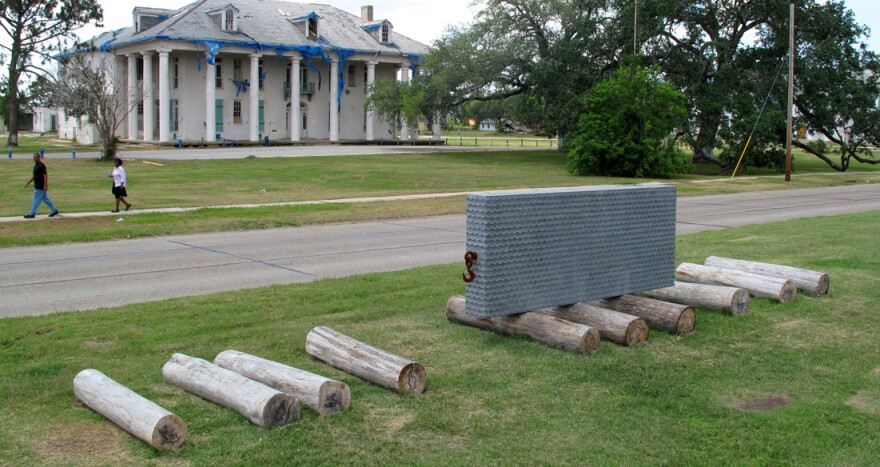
489, 124
251, 69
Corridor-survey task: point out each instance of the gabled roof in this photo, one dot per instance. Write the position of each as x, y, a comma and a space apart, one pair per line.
373, 25
264, 24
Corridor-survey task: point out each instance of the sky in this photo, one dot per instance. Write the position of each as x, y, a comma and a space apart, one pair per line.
422, 20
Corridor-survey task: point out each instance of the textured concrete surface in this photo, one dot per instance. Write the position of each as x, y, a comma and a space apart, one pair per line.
551, 247
47, 279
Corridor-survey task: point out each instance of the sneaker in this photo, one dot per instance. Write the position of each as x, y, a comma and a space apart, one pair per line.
54, 213
115, 210
29, 216
128, 207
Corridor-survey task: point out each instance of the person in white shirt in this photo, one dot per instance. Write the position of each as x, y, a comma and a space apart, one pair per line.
119, 184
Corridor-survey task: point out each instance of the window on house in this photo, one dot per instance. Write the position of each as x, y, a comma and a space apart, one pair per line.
175, 73
351, 79
236, 69
260, 73
229, 20
140, 69
236, 112
313, 26
386, 32
174, 115
303, 77
218, 81
141, 108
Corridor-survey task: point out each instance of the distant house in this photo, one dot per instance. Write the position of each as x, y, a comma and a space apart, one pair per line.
250, 69
45, 120
488, 124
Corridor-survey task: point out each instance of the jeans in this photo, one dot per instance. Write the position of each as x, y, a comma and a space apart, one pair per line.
41, 196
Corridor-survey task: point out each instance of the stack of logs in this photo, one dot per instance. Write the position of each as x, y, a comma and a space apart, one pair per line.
723, 284
265, 392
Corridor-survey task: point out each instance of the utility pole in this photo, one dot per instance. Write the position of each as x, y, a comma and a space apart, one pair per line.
790, 95
636, 30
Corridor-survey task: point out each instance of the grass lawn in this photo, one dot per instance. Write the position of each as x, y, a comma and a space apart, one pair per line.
489, 398
82, 185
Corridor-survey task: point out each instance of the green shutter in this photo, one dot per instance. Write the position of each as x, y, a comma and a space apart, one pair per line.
261, 115
218, 115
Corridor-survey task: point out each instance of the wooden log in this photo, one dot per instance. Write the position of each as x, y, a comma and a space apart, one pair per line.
613, 325
259, 403
549, 330
814, 282
365, 361
782, 290
141, 417
734, 300
671, 317
323, 395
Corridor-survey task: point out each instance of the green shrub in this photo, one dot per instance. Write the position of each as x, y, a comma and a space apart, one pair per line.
628, 128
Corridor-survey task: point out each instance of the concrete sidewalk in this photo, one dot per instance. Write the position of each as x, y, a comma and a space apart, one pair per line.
46, 279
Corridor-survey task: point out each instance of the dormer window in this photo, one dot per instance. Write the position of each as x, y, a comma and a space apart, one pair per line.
386, 33
313, 26
229, 20
380, 30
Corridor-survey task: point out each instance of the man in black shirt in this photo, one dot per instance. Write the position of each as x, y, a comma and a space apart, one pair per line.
41, 186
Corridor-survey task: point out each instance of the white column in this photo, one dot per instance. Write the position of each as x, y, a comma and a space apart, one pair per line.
132, 97
334, 100
404, 78
149, 117
435, 127
164, 97
254, 91
371, 78
210, 93
295, 113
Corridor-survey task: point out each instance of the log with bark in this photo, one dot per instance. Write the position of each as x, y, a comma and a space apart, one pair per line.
365, 361
671, 317
814, 282
734, 300
259, 403
323, 395
612, 325
140, 417
548, 330
759, 286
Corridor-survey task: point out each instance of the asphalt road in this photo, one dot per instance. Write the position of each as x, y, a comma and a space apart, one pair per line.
47, 279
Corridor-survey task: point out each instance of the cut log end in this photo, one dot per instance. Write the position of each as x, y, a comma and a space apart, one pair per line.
687, 321
788, 292
636, 332
823, 284
412, 379
281, 410
739, 303
591, 341
334, 397
169, 433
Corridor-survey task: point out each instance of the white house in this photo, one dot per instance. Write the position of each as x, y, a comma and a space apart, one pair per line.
45, 120
488, 124
234, 69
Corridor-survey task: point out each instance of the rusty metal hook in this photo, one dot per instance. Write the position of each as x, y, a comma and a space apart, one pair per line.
469, 259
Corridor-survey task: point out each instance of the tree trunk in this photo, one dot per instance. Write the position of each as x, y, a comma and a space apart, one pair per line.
365, 361
758, 286
671, 317
613, 326
811, 281
140, 417
549, 330
714, 297
323, 395
12, 97
260, 404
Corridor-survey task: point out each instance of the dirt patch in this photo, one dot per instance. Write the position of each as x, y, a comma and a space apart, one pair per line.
765, 403
389, 421
745, 239
866, 401
876, 371
85, 444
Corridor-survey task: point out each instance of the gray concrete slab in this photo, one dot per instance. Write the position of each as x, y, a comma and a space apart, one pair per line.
47, 279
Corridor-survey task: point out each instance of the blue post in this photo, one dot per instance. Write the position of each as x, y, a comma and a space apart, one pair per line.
10, 153
41, 152
74, 152
180, 143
